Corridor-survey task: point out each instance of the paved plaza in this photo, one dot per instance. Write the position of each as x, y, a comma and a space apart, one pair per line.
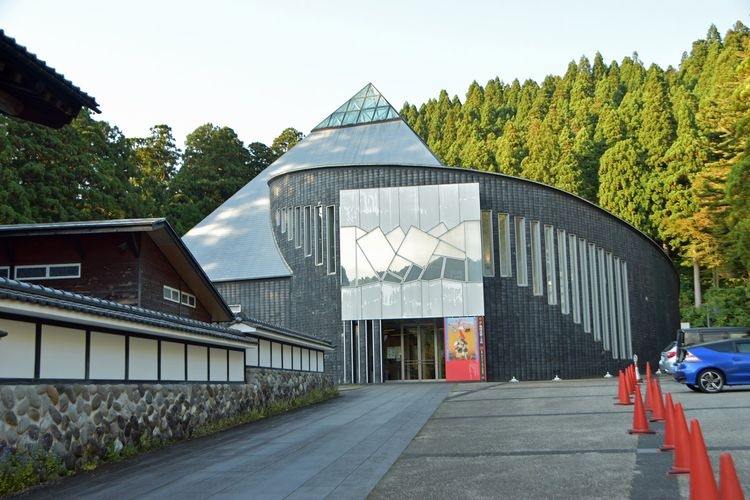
434, 440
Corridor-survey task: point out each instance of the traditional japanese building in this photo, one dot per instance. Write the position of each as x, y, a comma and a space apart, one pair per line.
414, 270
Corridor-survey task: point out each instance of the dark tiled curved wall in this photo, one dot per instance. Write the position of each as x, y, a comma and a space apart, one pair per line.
526, 337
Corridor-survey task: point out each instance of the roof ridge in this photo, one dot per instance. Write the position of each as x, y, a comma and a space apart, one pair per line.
366, 106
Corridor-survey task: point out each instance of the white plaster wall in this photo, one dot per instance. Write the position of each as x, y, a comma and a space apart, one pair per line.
265, 352
306, 360
321, 360
313, 361
63, 353
296, 363
107, 358
236, 367
276, 355
172, 361
197, 363
17, 349
287, 356
251, 354
218, 364
143, 362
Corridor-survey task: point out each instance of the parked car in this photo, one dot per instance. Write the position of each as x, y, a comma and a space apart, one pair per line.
709, 367
687, 337
668, 357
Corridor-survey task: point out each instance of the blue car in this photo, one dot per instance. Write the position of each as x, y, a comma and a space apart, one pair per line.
709, 367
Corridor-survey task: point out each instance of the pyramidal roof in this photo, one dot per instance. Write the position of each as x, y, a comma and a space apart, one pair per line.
367, 106
236, 241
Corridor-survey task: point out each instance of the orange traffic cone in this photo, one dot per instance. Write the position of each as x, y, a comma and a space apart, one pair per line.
649, 396
668, 444
629, 379
648, 372
640, 422
702, 481
729, 484
623, 396
657, 403
681, 464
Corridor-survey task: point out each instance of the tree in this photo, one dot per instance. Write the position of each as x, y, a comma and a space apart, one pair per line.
156, 160
285, 141
214, 166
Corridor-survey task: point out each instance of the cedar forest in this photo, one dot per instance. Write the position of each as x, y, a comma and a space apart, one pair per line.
667, 150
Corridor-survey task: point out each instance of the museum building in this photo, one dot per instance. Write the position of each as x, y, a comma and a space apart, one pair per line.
361, 237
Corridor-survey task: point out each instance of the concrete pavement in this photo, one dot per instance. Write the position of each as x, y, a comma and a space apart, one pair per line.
562, 440
435, 440
336, 449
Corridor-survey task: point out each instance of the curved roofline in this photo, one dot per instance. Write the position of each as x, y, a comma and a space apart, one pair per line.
498, 174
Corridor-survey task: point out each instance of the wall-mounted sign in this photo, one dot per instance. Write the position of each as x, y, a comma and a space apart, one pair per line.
464, 349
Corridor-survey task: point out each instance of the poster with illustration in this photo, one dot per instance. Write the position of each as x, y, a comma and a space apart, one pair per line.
463, 349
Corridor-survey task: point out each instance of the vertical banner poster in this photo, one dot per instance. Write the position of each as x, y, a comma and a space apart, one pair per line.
462, 356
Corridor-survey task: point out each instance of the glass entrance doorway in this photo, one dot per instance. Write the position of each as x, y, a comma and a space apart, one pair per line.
413, 350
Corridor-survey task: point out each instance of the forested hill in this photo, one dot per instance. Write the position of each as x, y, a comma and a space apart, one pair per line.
665, 149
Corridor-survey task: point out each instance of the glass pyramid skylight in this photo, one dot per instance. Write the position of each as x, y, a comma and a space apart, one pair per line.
367, 106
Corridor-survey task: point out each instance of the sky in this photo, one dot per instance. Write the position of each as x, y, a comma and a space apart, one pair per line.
260, 66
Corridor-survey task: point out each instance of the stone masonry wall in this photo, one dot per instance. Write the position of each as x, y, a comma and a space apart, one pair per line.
81, 423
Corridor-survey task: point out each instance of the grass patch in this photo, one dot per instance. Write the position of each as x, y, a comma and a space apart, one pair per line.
20, 470
275, 408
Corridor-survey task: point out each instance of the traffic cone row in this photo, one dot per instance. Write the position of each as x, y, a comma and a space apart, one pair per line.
689, 450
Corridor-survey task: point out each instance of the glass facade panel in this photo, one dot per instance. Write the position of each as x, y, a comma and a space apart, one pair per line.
308, 225
522, 277
396, 258
369, 209
503, 244
408, 208
298, 227
418, 246
455, 269
348, 249
412, 300
620, 309
549, 258
429, 207
537, 285
453, 300
331, 239
366, 274
614, 333
585, 286
432, 299
290, 224
349, 208
562, 262
449, 211
391, 294
468, 201
626, 305
575, 292
283, 220
488, 260
388, 210
377, 250
604, 306
371, 301
318, 235
594, 283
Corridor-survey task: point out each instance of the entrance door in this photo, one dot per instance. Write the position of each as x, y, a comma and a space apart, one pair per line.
413, 351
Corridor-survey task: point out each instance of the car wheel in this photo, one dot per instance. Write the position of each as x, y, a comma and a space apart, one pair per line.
692, 387
710, 381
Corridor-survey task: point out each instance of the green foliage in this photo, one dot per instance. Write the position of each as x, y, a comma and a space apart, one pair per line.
275, 408
20, 470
